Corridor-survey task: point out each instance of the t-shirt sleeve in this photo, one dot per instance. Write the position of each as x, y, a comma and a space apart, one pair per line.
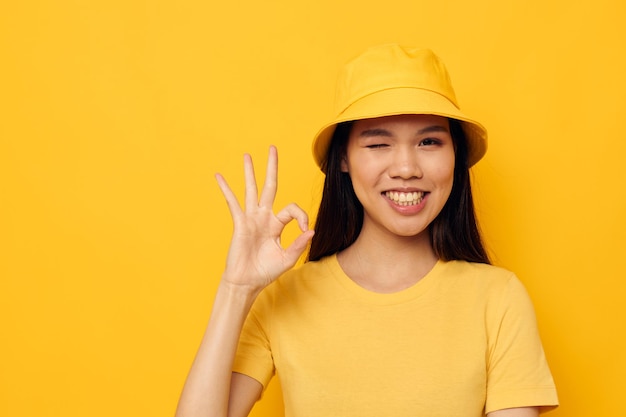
517, 371
254, 355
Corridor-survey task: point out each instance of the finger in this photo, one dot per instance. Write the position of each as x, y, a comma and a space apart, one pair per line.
252, 196
294, 212
297, 247
269, 187
229, 196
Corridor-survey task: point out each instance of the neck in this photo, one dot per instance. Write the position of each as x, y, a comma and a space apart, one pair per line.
388, 264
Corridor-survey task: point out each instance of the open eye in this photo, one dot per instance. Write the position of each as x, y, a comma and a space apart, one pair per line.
430, 142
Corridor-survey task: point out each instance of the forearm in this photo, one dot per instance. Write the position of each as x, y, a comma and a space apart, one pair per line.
255, 259
207, 388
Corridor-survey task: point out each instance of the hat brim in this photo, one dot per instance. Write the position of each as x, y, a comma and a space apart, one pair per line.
397, 101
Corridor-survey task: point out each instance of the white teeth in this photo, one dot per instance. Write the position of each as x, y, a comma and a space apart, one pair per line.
405, 199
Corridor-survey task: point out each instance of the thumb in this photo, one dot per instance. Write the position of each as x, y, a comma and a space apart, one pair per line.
297, 247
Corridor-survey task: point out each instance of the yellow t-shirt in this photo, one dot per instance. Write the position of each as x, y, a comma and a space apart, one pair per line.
463, 341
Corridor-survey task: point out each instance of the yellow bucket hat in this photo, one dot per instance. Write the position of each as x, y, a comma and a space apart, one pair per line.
390, 80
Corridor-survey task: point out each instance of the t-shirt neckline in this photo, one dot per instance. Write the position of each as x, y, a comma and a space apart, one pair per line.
365, 295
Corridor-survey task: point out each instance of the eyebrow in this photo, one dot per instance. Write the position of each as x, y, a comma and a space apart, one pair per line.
432, 129
367, 133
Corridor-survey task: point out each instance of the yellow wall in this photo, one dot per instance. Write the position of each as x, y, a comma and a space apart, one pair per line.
114, 116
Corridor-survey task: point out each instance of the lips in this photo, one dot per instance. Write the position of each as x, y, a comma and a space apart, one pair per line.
405, 198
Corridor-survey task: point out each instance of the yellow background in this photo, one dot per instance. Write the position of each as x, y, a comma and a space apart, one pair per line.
114, 116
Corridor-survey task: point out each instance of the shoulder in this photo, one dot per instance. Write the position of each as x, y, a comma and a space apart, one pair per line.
489, 282
307, 278
477, 273
473, 269
308, 273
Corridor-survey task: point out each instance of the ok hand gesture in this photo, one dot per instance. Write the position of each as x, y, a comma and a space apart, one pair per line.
256, 256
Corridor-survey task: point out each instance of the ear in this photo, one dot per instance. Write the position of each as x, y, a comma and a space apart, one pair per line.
344, 163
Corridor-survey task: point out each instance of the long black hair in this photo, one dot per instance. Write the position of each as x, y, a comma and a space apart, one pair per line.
454, 233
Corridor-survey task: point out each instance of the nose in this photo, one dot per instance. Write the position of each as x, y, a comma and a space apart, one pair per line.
405, 165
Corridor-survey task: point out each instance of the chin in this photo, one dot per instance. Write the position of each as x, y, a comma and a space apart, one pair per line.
410, 233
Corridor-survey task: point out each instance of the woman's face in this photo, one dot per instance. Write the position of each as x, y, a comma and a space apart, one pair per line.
402, 170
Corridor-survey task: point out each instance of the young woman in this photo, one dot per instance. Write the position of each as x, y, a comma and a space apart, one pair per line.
397, 311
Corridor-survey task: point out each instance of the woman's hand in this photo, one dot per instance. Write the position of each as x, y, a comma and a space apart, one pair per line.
256, 256
255, 259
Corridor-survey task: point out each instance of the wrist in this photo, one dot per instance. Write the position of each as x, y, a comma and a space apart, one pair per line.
235, 290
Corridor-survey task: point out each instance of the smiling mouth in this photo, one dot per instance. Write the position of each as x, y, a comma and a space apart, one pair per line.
405, 199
